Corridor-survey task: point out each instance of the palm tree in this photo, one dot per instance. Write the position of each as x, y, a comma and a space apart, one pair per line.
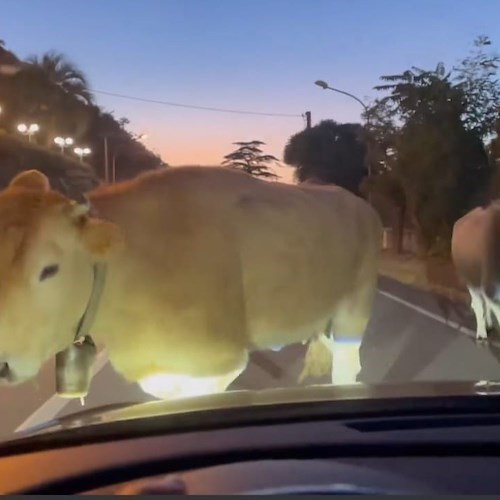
51, 91
418, 93
58, 70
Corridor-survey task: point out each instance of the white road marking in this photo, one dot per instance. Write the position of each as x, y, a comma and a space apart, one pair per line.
55, 404
425, 312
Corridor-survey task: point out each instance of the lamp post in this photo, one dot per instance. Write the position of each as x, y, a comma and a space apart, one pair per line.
139, 137
325, 86
322, 84
28, 130
81, 152
63, 142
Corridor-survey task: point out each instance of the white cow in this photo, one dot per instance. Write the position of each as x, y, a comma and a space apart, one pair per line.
204, 265
475, 252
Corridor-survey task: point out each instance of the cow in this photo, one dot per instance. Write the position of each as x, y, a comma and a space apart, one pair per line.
203, 266
474, 247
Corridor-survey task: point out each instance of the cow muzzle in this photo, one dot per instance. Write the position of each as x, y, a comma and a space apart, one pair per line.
4, 372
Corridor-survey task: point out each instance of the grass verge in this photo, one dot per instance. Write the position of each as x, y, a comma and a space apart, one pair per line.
435, 275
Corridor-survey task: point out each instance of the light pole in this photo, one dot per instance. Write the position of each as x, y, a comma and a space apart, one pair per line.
63, 142
139, 137
325, 86
28, 130
81, 152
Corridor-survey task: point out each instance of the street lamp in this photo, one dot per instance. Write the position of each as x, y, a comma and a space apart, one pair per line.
28, 130
325, 86
81, 152
63, 142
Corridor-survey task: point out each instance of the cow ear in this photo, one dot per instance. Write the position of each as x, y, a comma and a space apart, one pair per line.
101, 238
31, 179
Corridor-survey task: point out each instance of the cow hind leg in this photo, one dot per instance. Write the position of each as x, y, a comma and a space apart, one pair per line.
348, 328
493, 308
345, 358
479, 308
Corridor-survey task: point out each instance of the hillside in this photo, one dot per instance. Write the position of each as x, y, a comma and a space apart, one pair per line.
65, 174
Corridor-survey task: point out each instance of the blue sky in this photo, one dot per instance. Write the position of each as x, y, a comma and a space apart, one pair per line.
259, 55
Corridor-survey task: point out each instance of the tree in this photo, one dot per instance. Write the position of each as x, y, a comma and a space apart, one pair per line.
477, 77
440, 165
58, 70
331, 152
251, 159
419, 95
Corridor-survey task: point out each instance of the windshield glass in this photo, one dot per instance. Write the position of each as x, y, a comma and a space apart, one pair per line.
199, 197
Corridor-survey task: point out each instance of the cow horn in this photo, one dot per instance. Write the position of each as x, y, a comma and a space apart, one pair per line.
79, 203
80, 208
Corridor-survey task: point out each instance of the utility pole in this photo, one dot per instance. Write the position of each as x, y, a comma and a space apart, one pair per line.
308, 119
106, 165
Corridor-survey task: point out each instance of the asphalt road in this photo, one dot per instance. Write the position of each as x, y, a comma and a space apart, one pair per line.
407, 339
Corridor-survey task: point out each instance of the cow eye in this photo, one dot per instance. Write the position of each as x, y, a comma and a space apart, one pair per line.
49, 271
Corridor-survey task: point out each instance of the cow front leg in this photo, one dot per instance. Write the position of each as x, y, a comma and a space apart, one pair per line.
345, 358
345, 364
478, 307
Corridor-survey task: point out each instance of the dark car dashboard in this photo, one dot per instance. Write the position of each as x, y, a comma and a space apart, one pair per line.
385, 446
320, 456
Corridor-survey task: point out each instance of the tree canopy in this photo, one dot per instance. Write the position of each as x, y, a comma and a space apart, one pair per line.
330, 152
250, 158
429, 131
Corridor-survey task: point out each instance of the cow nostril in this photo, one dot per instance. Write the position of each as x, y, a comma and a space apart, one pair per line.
4, 370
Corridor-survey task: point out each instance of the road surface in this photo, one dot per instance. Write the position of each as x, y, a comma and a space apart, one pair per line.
407, 339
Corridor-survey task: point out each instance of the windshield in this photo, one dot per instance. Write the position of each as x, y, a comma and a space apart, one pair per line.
201, 197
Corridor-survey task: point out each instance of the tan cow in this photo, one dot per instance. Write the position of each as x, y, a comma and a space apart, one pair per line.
475, 247
204, 265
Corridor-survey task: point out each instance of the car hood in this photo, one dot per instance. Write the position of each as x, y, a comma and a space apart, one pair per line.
332, 400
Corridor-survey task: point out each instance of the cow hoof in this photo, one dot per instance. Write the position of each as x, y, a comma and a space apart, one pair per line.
482, 341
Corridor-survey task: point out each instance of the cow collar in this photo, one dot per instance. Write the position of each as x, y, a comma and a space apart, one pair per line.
99, 277
86, 321
98, 282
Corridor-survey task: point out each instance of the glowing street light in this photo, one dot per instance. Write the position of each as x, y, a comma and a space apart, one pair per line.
81, 152
28, 130
63, 142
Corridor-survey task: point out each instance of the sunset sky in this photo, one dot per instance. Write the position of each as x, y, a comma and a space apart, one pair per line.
257, 55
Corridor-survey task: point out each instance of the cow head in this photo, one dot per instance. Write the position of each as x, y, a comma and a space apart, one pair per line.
48, 246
